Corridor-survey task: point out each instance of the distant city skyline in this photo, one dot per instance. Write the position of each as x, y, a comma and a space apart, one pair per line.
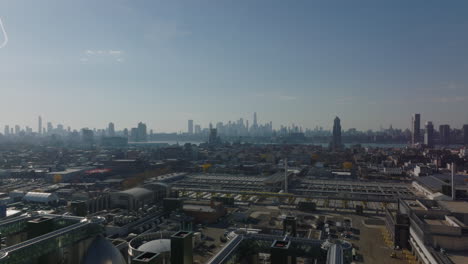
372, 63
113, 125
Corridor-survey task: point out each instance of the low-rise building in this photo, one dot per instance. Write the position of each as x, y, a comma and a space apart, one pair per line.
435, 231
67, 175
132, 199
422, 170
37, 197
205, 212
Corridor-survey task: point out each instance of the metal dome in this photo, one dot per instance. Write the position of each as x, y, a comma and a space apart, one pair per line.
156, 246
101, 251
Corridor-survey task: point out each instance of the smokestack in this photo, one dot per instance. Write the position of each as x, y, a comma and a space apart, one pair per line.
453, 181
285, 175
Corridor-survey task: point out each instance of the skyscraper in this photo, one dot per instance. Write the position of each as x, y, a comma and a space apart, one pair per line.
416, 129
213, 138
197, 129
133, 134
190, 127
336, 140
87, 136
49, 127
255, 120
60, 128
444, 133
142, 135
39, 125
429, 135
17, 129
7, 130
111, 130
465, 134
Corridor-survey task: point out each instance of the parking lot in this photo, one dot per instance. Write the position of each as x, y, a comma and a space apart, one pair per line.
370, 245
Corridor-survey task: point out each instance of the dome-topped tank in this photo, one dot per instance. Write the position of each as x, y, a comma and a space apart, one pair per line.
156, 246
101, 251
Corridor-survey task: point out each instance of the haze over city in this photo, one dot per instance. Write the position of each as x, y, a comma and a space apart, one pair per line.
233, 131
86, 63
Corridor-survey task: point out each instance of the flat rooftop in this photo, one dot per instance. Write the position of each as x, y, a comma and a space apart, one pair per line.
281, 244
436, 181
40, 219
436, 222
67, 171
458, 257
181, 234
229, 177
455, 206
198, 208
414, 204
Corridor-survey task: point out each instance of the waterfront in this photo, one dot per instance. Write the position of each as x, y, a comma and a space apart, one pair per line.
195, 142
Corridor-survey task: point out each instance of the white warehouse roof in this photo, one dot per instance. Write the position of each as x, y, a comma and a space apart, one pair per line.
39, 197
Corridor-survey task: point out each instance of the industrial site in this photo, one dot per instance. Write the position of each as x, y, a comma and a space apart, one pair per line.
233, 203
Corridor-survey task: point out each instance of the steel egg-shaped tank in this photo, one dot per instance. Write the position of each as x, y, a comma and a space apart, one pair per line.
101, 251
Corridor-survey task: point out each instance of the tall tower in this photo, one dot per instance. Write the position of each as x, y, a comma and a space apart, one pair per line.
39, 125
213, 138
197, 129
190, 127
444, 132
141, 134
111, 130
415, 128
255, 120
429, 135
49, 128
336, 140
87, 136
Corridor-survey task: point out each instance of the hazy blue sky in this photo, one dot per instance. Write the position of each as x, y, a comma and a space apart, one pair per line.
88, 62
